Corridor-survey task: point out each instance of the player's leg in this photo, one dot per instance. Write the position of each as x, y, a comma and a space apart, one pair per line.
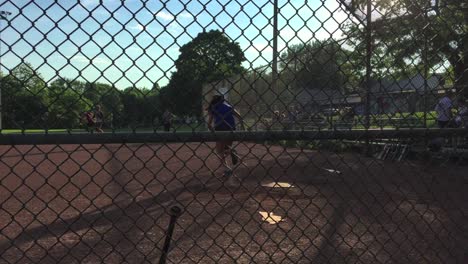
229, 150
90, 127
99, 127
220, 146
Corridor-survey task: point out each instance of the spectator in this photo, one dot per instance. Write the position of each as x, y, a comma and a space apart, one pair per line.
277, 116
89, 120
461, 120
167, 120
99, 119
444, 110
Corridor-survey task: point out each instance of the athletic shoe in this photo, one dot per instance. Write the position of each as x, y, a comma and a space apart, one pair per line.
227, 173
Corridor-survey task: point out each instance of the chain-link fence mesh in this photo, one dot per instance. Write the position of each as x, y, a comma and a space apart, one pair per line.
348, 121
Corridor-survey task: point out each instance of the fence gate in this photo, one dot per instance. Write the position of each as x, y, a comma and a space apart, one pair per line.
234, 131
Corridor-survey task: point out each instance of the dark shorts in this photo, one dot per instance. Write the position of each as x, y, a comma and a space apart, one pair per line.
167, 126
443, 124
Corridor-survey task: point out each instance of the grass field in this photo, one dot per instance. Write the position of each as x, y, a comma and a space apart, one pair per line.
32, 131
376, 122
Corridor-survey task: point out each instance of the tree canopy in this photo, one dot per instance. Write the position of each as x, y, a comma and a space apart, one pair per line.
209, 57
416, 34
318, 64
30, 102
24, 97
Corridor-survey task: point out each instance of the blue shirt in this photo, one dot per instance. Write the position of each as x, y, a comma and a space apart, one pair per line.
223, 114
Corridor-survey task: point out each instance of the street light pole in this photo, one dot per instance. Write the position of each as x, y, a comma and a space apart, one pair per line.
3, 16
274, 73
368, 70
426, 69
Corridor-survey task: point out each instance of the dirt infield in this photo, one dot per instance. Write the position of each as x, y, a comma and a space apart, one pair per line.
110, 203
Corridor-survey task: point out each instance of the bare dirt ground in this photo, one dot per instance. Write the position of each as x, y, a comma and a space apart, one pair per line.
110, 203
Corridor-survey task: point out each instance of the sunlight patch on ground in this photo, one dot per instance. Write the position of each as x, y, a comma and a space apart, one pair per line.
270, 217
333, 171
278, 185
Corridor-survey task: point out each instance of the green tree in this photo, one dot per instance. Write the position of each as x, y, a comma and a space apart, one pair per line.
24, 98
405, 31
319, 64
66, 104
209, 57
151, 105
140, 107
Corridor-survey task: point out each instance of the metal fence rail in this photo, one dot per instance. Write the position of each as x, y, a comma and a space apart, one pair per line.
145, 137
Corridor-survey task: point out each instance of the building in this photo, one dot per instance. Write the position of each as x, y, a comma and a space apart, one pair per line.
405, 96
315, 100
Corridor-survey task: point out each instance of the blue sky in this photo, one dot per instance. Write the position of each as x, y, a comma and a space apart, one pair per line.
129, 43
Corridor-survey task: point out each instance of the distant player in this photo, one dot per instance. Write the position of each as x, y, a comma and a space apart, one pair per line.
461, 120
222, 118
444, 110
88, 119
99, 118
167, 120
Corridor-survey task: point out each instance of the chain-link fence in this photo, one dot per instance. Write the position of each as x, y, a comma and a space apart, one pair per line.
282, 131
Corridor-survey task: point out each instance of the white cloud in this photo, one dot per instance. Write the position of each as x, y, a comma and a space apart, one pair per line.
88, 3
138, 27
185, 14
302, 35
165, 15
259, 48
83, 59
305, 35
175, 28
100, 61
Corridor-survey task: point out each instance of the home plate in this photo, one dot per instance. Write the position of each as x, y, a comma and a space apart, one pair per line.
278, 185
282, 188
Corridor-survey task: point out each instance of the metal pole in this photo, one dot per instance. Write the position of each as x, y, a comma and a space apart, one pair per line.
3, 16
368, 68
274, 73
426, 69
1, 77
